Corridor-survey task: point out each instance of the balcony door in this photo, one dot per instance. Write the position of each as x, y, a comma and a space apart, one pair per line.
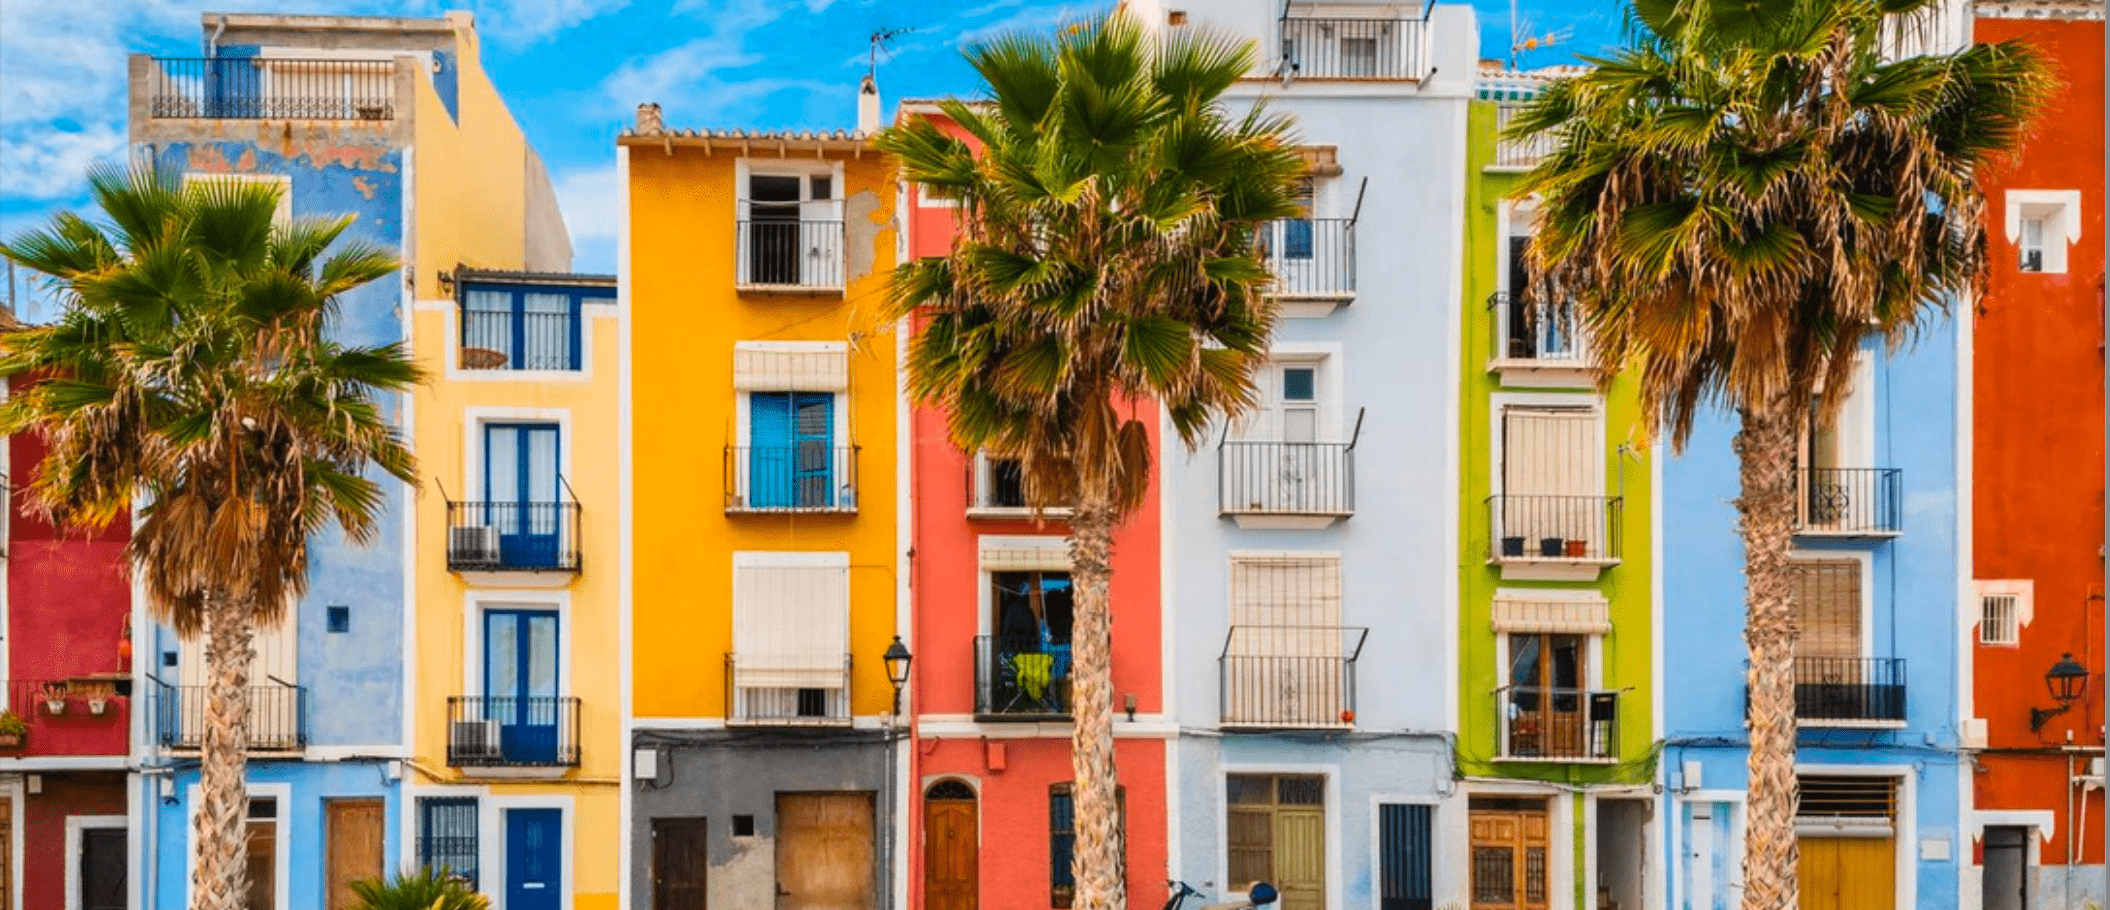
1552, 479
520, 683
1837, 451
791, 459
521, 493
1285, 658
1547, 676
1032, 659
789, 241
1540, 324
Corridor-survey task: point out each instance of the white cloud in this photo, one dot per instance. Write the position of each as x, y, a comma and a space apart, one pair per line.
698, 82
592, 203
526, 22
50, 165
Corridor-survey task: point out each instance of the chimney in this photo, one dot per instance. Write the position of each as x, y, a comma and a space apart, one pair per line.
868, 105
648, 121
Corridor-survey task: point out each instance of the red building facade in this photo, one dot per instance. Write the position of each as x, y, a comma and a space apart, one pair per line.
67, 610
2037, 486
991, 765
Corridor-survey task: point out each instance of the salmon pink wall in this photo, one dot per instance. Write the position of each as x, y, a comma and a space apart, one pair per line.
2038, 436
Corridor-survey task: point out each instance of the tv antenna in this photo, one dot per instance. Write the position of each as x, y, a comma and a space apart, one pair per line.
879, 41
1521, 38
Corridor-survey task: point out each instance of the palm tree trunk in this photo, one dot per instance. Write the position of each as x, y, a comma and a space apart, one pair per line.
1765, 449
220, 880
1096, 858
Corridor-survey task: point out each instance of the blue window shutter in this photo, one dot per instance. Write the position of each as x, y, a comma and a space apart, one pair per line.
770, 442
1405, 857
814, 425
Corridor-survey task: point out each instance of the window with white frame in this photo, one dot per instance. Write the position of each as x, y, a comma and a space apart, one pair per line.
1549, 706
2004, 607
793, 452
791, 637
2042, 224
1286, 656
791, 225
1551, 499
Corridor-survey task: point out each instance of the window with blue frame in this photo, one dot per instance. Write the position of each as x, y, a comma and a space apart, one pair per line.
447, 836
525, 327
791, 459
520, 683
1062, 840
522, 497
1296, 232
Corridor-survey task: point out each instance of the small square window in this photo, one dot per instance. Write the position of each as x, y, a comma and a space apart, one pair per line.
2032, 245
168, 658
743, 826
823, 187
1999, 620
340, 619
1300, 384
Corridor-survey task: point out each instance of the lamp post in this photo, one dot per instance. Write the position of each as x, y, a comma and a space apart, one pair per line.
897, 660
2066, 679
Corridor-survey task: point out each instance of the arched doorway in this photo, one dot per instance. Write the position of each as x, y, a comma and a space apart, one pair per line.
951, 847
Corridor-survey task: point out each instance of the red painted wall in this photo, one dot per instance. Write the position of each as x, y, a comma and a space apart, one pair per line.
2038, 484
1012, 774
68, 598
43, 834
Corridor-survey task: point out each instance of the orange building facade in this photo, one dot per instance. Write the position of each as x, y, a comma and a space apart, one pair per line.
2037, 490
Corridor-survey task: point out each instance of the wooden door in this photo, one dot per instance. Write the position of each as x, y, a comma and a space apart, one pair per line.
681, 860
7, 849
103, 868
951, 852
824, 851
1509, 859
354, 843
1848, 873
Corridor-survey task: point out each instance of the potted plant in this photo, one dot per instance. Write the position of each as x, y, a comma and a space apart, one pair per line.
13, 729
1551, 546
1512, 546
1578, 549
99, 699
54, 698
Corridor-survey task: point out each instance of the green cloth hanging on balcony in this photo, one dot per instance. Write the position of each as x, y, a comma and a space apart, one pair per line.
1035, 671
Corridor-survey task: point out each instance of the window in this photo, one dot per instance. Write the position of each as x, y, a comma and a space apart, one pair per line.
2042, 224
1552, 495
791, 617
523, 493
1295, 404
2032, 244
1296, 232
1286, 661
261, 849
520, 697
1539, 321
1547, 677
447, 835
1006, 484
517, 327
1031, 660
791, 450
339, 619
791, 230
1277, 834
1405, 856
1062, 840
1999, 620
1828, 609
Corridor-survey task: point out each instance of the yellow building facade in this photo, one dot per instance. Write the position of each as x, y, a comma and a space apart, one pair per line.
767, 545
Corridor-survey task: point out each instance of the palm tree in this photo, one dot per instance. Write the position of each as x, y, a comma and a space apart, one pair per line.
1105, 257
192, 368
1740, 199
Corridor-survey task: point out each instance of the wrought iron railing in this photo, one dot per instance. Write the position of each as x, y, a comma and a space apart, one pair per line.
1285, 478
1847, 501
1558, 724
511, 340
513, 536
1020, 680
1538, 329
790, 254
1309, 257
1850, 689
272, 88
1531, 527
511, 731
787, 690
278, 717
1355, 48
1518, 154
798, 478
1289, 677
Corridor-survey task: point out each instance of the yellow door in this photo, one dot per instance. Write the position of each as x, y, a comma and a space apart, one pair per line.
1848, 873
1300, 858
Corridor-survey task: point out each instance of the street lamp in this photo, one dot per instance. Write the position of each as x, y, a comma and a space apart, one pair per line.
897, 660
2066, 679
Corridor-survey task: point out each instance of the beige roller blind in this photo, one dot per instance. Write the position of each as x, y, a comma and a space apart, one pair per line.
1551, 452
791, 619
1828, 607
1582, 617
277, 655
1014, 558
761, 366
1285, 606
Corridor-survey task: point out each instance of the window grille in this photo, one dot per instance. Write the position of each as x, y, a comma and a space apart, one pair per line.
1999, 620
447, 835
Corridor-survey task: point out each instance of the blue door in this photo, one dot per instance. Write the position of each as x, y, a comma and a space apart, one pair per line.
520, 484
520, 683
234, 84
791, 460
534, 859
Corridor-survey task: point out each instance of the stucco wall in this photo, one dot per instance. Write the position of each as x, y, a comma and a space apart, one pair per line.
42, 837
310, 783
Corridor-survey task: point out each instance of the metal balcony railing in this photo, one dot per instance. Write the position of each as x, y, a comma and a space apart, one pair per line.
786, 691
1285, 478
1354, 48
1847, 502
1518, 154
512, 732
510, 340
1537, 330
513, 536
797, 478
278, 717
793, 255
1857, 689
1289, 677
1020, 680
272, 88
1558, 724
1554, 528
1310, 258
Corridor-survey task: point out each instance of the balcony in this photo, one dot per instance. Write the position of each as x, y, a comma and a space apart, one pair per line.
997, 492
788, 479
278, 717
1296, 485
511, 340
788, 256
1517, 154
1312, 261
1539, 342
1020, 681
1850, 691
1289, 677
538, 538
1554, 538
764, 690
1362, 47
1558, 725
1847, 502
512, 732
270, 88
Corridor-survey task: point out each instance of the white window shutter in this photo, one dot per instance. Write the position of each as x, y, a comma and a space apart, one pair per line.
791, 619
763, 366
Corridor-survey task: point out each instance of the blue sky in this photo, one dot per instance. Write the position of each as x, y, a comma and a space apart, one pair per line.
574, 70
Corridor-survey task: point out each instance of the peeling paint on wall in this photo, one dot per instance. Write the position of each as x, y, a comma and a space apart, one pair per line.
862, 232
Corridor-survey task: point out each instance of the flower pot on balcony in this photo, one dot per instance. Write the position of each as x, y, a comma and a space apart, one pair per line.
1512, 546
11, 740
54, 706
1551, 546
1578, 549
97, 706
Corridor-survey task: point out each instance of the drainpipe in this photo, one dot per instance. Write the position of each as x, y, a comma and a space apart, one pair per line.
212, 44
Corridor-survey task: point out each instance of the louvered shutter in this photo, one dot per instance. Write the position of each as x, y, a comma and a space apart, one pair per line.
1406, 857
791, 620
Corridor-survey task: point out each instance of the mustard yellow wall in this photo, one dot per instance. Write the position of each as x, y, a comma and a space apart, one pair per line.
470, 205
686, 318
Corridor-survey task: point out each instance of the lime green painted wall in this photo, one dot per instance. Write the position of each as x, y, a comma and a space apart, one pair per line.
1624, 659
